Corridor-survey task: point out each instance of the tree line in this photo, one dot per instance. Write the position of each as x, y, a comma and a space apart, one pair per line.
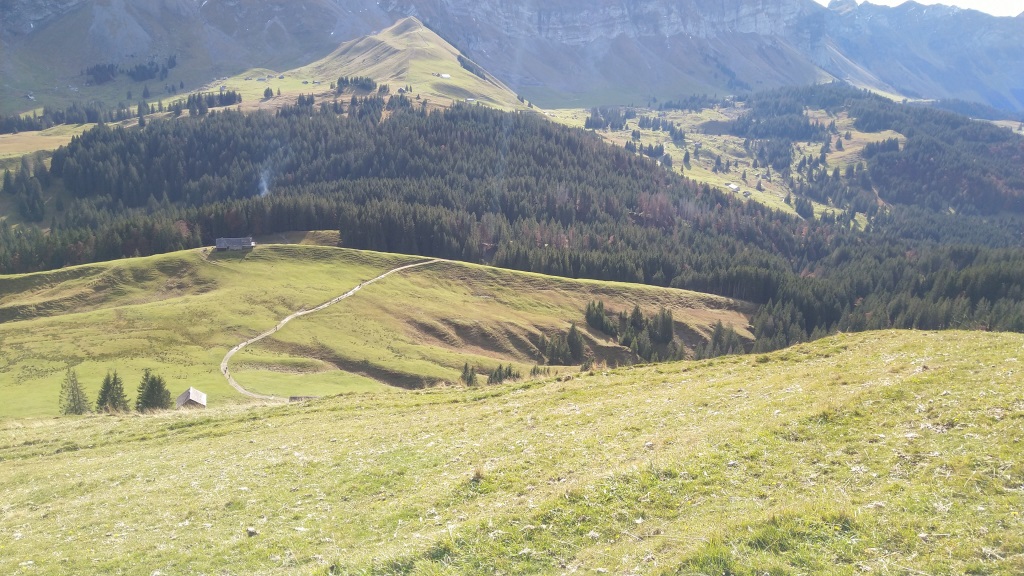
152, 394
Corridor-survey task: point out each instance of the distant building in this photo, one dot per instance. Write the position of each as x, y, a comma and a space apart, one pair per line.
191, 398
235, 243
732, 187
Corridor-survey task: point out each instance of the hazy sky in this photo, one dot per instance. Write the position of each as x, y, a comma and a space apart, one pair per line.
997, 7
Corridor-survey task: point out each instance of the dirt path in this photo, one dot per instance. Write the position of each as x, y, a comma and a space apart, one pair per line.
224, 363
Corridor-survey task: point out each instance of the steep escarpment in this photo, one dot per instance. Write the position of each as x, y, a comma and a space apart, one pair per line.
557, 52
569, 50
23, 16
929, 52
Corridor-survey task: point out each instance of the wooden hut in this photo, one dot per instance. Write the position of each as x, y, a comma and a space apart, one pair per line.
191, 398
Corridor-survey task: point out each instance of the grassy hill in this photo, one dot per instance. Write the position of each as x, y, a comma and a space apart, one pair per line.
407, 54
885, 453
179, 313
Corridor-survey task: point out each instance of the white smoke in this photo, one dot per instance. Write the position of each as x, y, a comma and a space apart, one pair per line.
264, 182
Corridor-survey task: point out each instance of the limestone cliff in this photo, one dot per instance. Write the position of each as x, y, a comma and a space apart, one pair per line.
555, 51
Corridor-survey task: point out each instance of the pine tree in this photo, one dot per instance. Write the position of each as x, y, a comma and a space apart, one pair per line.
72, 397
575, 342
111, 397
636, 319
495, 376
663, 327
468, 375
152, 393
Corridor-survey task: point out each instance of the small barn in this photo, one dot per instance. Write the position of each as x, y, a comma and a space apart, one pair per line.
191, 398
235, 243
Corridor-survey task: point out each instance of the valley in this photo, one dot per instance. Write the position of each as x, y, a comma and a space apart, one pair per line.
678, 288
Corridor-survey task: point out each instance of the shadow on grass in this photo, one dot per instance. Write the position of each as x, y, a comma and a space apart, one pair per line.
215, 255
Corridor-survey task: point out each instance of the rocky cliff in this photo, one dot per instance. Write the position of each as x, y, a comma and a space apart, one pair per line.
930, 51
555, 51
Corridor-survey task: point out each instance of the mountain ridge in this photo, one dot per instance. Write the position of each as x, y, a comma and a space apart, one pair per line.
562, 52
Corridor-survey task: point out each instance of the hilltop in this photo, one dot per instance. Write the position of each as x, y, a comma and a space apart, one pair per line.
179, 313
410, 54
406, 56
884, 452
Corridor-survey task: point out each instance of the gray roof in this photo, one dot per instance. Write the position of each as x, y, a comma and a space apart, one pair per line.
193, 395
245, 242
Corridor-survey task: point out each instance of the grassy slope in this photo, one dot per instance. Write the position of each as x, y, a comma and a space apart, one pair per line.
176, 313
889, 453
406, 54
179, 314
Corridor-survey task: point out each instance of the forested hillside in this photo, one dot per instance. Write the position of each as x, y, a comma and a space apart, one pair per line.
516, 191
949, 163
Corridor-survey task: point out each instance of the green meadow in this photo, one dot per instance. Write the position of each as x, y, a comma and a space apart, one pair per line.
872, 453
178, 314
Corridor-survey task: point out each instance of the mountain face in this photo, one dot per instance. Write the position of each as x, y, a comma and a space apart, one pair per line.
557, 52
929, 52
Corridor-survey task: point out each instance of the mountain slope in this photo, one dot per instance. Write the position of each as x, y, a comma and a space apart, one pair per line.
179, 314
559, 53
406, 55
409, 54
881, 452
49, 45
929, 52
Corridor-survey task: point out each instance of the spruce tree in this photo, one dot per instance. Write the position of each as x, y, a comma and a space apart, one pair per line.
468, 375
575, 342
152, 393
112, 397
72, 397
497, 375
465, 373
